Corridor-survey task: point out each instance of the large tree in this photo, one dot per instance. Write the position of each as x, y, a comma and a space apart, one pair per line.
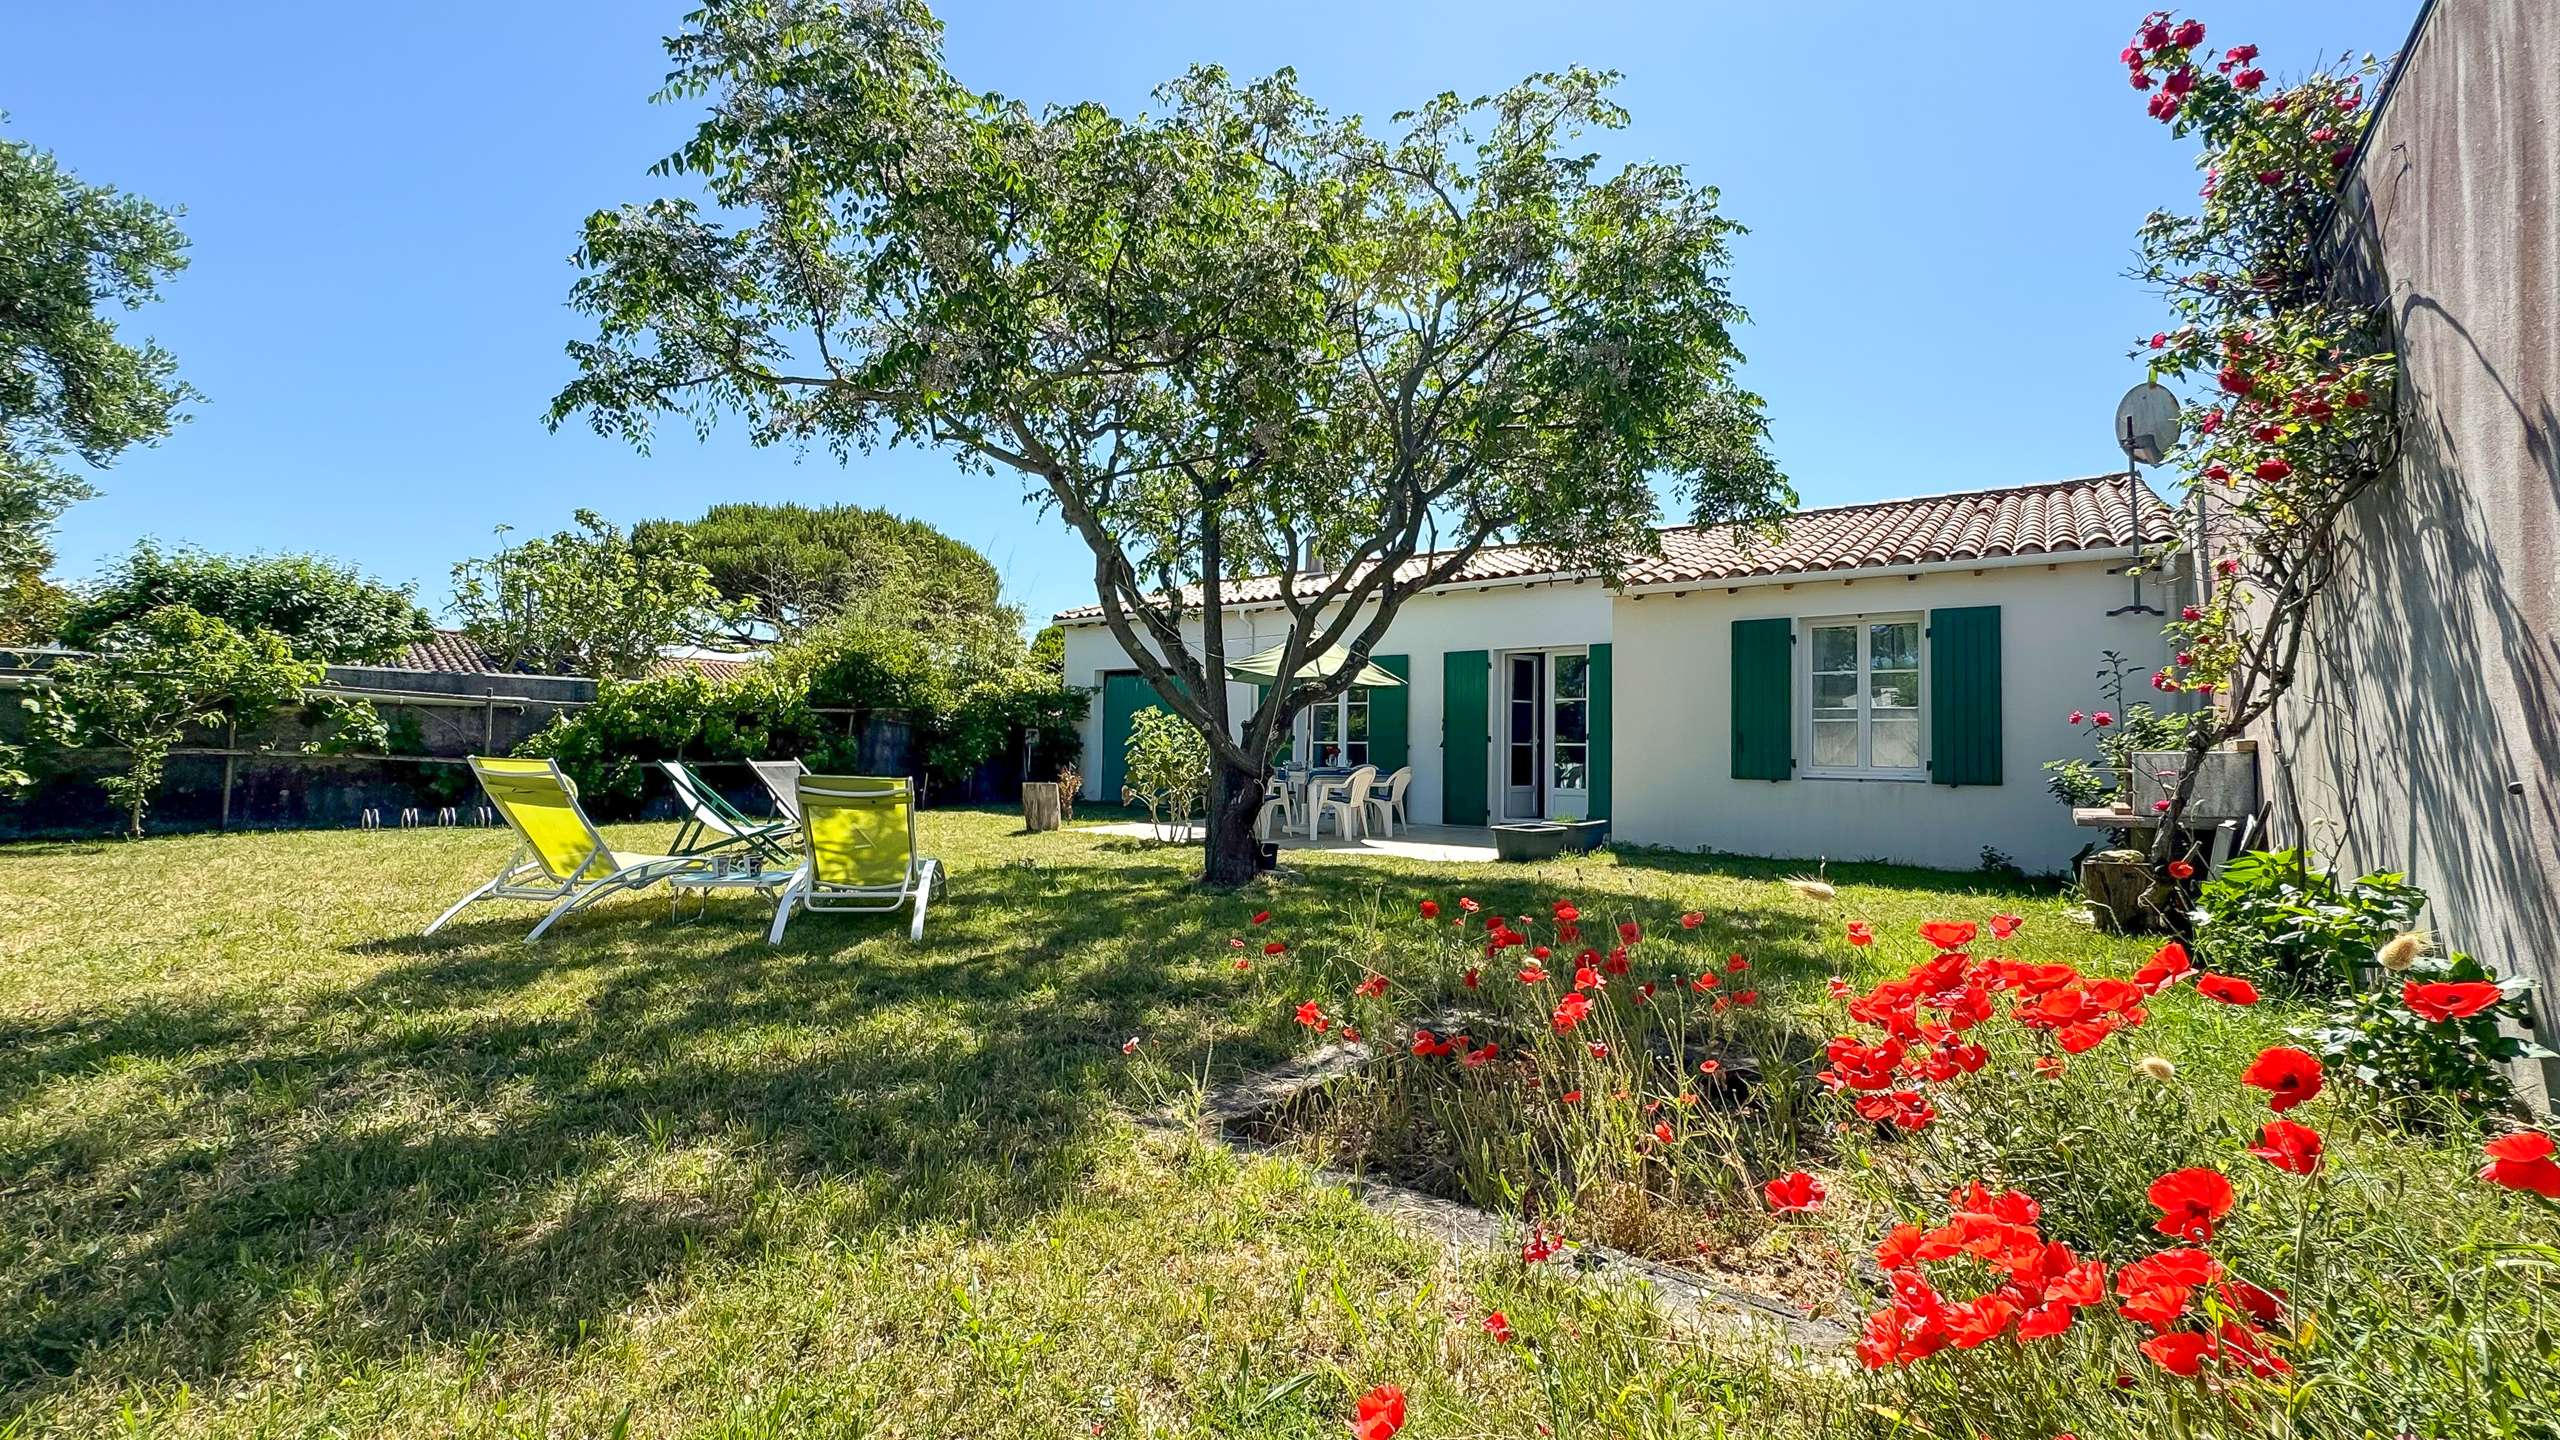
592, 600
328, 611
1218, 340
71, 385
808, 564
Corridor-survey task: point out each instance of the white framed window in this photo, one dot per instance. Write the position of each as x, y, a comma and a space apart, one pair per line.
1570, 765
1860, 682
1340, 729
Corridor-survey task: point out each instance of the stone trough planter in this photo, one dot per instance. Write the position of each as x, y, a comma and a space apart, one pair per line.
1529, 840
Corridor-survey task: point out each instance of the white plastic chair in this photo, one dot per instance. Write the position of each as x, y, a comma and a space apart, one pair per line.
1388, 809
1276, 800
1347, 801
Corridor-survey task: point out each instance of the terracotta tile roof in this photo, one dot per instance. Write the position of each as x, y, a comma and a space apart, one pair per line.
2056, 518
452, 652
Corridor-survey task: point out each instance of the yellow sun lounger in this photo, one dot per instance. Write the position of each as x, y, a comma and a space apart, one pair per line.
559, 857
858, 840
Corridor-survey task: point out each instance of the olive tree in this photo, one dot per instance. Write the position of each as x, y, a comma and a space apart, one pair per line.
1237, 335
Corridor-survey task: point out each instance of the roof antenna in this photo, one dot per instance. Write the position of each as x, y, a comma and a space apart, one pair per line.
2146, 430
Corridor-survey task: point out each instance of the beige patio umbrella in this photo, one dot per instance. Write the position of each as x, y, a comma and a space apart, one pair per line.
1263, 667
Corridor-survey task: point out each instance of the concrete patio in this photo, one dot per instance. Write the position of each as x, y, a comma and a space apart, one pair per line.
1411, 842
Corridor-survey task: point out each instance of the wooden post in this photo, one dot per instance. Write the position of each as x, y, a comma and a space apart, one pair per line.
1040, 806
230, 767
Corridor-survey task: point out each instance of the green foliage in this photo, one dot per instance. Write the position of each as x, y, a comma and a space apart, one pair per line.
589, 601
1049, 652
964, 707
1168, 770
326, 610
70, 253
2273, 917
1196, 333
158, 676
805, 565
2376, 1036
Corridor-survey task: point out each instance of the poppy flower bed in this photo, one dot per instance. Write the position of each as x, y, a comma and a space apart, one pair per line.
2033, 1213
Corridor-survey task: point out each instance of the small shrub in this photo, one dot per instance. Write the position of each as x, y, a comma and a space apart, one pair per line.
2277, 919
2432, 1030
1168, 770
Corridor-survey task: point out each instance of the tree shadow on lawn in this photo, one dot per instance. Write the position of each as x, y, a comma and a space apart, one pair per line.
1854, 872
486, 1137
497, 1137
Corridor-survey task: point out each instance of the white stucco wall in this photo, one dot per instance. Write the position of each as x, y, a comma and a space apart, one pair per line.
1674, 721
1672, 727
1510, 617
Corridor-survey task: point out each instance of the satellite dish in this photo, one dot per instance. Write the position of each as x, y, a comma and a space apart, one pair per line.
2147, 424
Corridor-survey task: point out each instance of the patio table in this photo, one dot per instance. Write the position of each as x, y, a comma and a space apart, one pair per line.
1302, 783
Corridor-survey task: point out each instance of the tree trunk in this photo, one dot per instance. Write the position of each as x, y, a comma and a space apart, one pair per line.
1233, 849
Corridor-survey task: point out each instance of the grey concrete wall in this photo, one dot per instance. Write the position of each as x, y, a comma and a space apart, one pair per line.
2425, 735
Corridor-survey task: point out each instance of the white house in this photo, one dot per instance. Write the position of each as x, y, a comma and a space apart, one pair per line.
1885, 681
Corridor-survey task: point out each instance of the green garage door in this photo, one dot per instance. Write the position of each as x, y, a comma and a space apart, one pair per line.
1124, 694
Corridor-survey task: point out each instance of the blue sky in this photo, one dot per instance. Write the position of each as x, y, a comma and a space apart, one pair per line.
382, 199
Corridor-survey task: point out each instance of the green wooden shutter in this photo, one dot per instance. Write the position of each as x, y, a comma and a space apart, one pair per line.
1466, 679
1124, 694
1964, 695
1603, 756
1764, 729
1391, 717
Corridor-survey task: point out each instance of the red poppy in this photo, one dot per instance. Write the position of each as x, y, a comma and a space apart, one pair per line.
1427, 1044
1571, 1097
2238, 1344
2180, 1352
1498, 1325
1371, 988
1570, 1010
2004, 926
2190, 1201
1567, 912
2288, 1075
1948, 934
1310, 1013
1629, 931
2228, 989
1859, 934
1544, 1245
1693, 919
1471, 979
1709, 1067
2180, 869
1379, 1415
2450, 999
1793, 1192
1261, 916
2049, 1066
2522, 1161
1533, 974
1430, 909
1476, 1059
1586, 978
1129, 1046
1662, 1131
2292, 1148
1275, 948
1242, 965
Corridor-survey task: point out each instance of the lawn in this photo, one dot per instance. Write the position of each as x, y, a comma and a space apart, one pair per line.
271, 1165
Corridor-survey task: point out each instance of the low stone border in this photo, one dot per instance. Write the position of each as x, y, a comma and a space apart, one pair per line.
1230, 1110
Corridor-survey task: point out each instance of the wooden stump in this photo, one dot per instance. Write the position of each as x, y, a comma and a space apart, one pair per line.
1040, 806
2125, 898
